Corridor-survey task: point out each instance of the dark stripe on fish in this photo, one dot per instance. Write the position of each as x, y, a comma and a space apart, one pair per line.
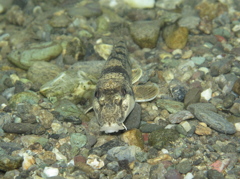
116, 69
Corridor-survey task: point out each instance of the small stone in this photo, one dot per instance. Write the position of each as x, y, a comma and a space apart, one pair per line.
161, 138
24, 58
180, 116
133, 137
187, 54
95, 162
157, 160
48, 157
24, 97
184, 166
19, 128
157, 171
192, 96
198, 60
187, 127
235, 109
28, 161
104, 50
78, 140
173, 174
236, 86
8, 162
145, 37
206, 113
170, 105
220, 67
202, 129
206, 95
113, 166
140, 4
148, 128
175, 37
237, 125
50, 172
212, 174
134, 118
42, 72
123, 153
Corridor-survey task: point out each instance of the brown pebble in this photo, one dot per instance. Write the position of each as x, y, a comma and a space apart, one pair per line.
133, 137
175, 37
202, 129
236, 86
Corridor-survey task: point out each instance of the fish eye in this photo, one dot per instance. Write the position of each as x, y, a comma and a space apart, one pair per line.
97, 94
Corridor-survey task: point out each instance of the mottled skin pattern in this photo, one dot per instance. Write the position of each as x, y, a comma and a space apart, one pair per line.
114, 97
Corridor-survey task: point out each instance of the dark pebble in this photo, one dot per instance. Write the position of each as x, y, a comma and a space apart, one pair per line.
192, 96
148, 128
228, 100
134, 118
19, 128
173, 174
236, 86
184, 167
103, 149
220, 67
213, 174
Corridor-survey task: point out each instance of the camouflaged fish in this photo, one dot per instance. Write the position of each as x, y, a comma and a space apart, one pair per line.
115, 96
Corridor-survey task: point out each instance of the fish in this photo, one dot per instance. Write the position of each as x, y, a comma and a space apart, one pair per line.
114, 97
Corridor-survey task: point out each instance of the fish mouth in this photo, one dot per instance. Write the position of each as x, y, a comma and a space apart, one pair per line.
112, 127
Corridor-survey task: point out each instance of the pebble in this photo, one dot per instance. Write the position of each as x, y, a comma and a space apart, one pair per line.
148, 128
169, 105
175, 37
140, 4
161, 138
220, 67
206, 95
212, 174
202, 111
184, 166
173, 174
24, 58
134, 118
236, 86
180, 116
50, 172
123, 153
8, 162
24, 97
78, 140
157, 171
42, 72
192, 96
145, 37
202, 129
95, 162
133, 137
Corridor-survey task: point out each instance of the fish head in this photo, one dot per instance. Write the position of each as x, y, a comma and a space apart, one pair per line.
112, 106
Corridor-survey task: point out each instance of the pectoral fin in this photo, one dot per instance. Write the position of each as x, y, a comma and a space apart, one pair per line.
136, 74
144, 93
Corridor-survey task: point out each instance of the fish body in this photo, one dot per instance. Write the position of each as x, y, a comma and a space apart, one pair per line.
114, 97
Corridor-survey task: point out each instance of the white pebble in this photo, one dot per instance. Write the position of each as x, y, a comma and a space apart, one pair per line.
95, 161
204, 69
165, 151
237, 125
50, 171
236, 28
140, 3
186, 126
189, 176
206, 95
